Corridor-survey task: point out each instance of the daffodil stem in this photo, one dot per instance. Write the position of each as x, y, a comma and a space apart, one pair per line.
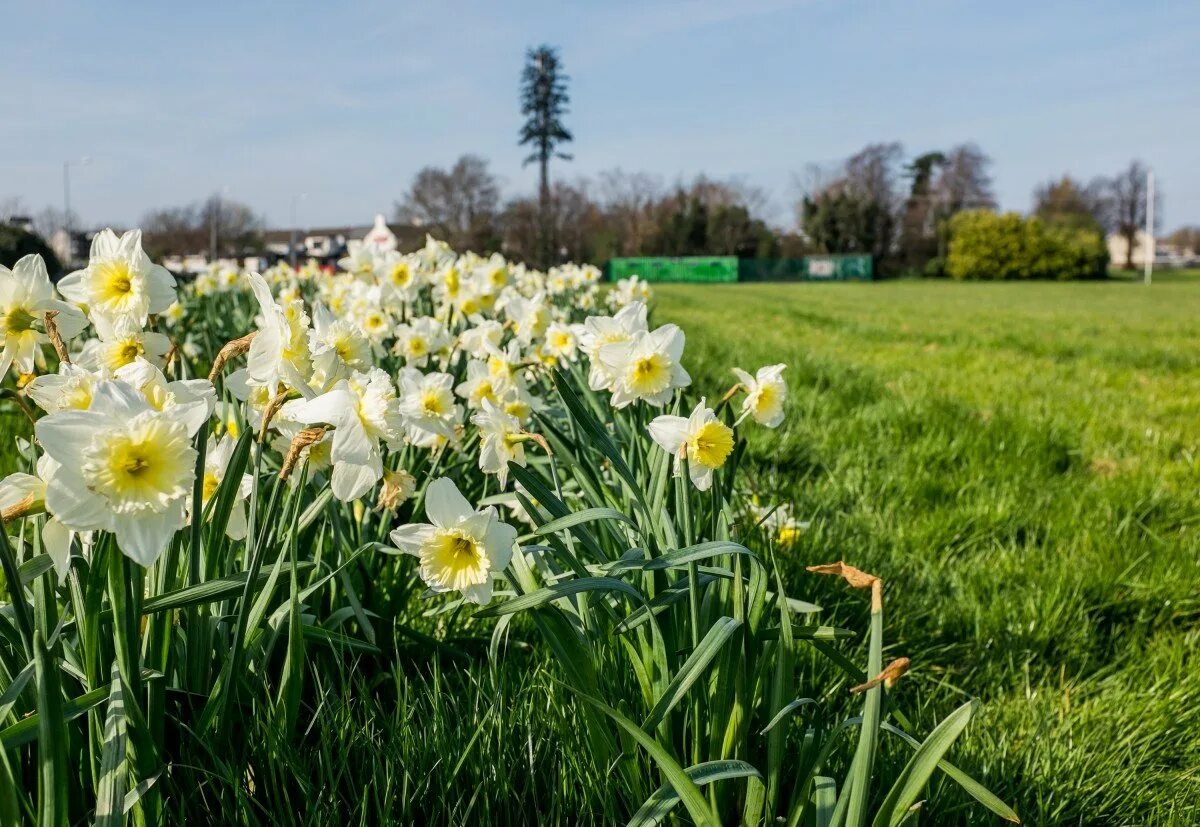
16, 591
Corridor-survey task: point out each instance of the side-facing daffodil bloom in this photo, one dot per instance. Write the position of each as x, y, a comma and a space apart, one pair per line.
501, 441
459, 549
765, 394
26, 296
705, 441
647, 367
365, 414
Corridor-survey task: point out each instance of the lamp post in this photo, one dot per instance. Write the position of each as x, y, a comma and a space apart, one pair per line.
213, 220
1150, 243
82, 162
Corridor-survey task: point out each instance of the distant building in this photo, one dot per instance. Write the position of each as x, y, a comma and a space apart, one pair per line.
21, 222
327, 244
1165, 255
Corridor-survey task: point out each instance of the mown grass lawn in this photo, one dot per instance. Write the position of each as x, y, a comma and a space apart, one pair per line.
1019, 462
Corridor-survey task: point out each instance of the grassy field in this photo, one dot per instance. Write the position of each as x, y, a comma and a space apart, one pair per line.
1019, 462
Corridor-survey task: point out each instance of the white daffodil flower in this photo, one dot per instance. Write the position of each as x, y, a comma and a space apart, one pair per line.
122, 340
398, 276
26, 494
190, 400
703, 439
599, 331
460, 549
480, 385
480, 340
765, 394
121, 467
361, 262
562, 342
318, 455
120, 280
427, 403
217, 454
69, 389
529, 317
338, 347
376, 323
646, 367
365, 414
279, 352
502, 363
26, 296
779, 522
501, 441
629, 290
420, 339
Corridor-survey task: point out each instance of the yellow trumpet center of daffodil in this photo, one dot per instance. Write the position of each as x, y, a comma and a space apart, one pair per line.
401, 274
114, 283
650, 374
148, 465
711, 445
432, 403
211, 484
18, 320
454, 560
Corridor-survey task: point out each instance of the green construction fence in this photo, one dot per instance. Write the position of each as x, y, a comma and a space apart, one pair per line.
717, 269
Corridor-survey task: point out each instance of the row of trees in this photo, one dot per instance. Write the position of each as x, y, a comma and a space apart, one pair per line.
618, 214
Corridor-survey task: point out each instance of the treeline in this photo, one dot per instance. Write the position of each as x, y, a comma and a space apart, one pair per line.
902, 210
616, 214
880, 202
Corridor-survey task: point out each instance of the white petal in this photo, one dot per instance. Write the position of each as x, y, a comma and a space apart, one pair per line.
445, 505
236, 528
410, 538
65, 435
669, 432
117, 400
56, 539
500, 540
144, 536
701, 475
68, 499
18, 487
351, 481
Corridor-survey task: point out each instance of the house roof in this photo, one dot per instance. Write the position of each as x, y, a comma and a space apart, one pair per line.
406, 234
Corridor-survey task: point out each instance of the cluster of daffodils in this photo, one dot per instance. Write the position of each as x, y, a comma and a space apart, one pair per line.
390, 363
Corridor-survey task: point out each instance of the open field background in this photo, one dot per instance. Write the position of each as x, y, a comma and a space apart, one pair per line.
1019, 462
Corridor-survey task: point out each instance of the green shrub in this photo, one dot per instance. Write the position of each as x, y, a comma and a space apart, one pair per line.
987, 245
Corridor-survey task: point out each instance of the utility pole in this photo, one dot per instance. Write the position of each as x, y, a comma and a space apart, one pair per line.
212, 229
1149, 227
82, 162
296, 199
67, 198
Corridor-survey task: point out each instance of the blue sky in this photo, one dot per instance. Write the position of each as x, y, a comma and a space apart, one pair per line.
346, 101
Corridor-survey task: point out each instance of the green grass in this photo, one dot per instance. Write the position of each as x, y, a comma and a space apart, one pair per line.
1019, 462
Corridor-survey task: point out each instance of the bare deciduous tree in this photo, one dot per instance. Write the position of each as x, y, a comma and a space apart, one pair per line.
459, 204
1127, 206
190, 228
